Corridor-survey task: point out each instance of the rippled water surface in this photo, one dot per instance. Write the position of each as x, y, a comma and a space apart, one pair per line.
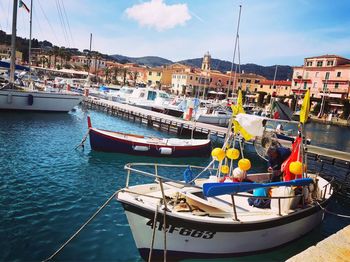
48, 189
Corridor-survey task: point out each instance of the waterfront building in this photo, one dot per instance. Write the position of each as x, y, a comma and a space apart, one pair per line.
168, 72
279, 88
186, 82
249, 82
154, 76
327, 75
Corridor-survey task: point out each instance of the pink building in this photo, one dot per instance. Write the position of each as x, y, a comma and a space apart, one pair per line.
327, 75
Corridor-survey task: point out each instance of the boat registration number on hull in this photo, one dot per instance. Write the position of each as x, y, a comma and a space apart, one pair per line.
182, 230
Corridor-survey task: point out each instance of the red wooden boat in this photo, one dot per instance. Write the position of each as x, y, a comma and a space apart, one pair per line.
117, 142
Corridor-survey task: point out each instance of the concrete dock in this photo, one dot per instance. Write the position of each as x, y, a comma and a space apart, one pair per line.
334, 248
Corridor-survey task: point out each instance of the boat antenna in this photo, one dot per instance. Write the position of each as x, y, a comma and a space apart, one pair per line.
89, 61
13, 42
234, 53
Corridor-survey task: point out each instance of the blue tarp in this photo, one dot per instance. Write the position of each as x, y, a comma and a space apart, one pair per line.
103, 88
5, 64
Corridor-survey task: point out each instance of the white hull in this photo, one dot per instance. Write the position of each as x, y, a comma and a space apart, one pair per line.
38, 101
213, 232
196, 242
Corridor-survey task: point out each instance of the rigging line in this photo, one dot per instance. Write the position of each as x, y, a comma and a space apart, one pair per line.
62, 24
2, 10
67, 21
8, 14
36, 16
53, 31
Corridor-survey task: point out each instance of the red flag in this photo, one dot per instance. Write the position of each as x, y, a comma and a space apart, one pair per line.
294, 156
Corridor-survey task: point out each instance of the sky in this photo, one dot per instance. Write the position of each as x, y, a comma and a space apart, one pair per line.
271, 32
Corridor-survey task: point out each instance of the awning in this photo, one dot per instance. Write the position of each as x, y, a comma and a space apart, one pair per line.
340, 105
6, 65
302, 80
332, 95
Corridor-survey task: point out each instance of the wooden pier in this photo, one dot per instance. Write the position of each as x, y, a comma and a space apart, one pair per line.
160, 121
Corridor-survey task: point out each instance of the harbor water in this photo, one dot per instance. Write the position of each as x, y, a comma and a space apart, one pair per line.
48, 189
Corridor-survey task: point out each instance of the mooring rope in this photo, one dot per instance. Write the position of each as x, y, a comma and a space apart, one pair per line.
82, 227
332, 213
153, 234
83, 140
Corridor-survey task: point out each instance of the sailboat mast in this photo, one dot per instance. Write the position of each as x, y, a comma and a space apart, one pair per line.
30, 37
13, 42
89, 60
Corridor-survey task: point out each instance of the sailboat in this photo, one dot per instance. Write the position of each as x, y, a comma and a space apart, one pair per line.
13, 97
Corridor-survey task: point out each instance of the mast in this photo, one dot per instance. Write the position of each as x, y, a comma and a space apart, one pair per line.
30, 38
13, 42
234, 54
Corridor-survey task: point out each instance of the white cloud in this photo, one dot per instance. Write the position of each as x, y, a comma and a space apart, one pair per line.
157, 14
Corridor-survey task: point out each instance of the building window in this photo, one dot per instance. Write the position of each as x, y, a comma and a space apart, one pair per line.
316, 74
274, 87
149, 73
158, 73
286, 87
295, 83
324, 86
327, 75
315, 84
309, 63
320, 63
330, 63
256, 89
248, 81
261, 86
191, 77
270, 87
257, 81
336, 85
305, 85
338, 74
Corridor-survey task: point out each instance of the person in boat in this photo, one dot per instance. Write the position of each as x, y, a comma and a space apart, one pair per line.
279, 129
277, 154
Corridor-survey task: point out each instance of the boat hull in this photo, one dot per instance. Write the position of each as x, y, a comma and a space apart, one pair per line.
38, 101
214, 120
105, 143
190, 239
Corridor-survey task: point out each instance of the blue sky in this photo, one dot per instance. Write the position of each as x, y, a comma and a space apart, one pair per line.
271, 32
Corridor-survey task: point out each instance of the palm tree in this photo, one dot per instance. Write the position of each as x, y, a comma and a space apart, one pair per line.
55, 54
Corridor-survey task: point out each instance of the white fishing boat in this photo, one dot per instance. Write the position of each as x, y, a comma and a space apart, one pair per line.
214, 116
178, 220
148, 97
20, 98
204, 217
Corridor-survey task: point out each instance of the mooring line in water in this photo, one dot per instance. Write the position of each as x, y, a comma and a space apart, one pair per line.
82, 227
332, 213
83, 140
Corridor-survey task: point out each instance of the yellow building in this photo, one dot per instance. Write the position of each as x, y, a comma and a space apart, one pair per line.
169, 70
249, 82
154, 76
277, 88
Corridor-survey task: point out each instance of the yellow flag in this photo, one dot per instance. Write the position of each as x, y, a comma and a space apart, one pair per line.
305, 108
238, 109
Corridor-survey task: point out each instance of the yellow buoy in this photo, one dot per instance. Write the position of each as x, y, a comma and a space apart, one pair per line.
244, 164
296, 168
218, 154
232, 153
225, 169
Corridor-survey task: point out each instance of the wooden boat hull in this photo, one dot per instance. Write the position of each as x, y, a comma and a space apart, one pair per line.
100, 141
187, 238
